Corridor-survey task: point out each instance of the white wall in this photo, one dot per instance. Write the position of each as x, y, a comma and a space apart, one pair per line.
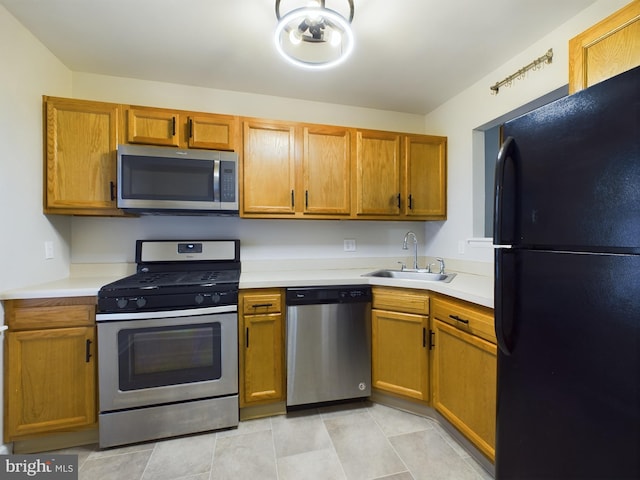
99, 240
28, 71
475, 107
34, 71
168, 95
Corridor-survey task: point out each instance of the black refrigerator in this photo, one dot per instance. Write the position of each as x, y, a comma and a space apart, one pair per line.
567, 287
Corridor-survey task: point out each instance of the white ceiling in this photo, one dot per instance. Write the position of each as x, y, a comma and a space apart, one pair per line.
410, 55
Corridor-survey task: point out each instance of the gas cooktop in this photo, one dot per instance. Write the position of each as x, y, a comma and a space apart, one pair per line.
185, 279
176, 274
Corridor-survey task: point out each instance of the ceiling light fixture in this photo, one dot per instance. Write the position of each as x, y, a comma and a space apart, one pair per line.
314, 36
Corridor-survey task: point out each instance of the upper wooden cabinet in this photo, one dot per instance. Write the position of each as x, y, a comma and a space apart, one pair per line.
425, 177
153, 126
81, 138
175, 128
326, 170
287, 170
377, 173
268, 168
401, 176
215, 132
322, 171
608, 48
295, 170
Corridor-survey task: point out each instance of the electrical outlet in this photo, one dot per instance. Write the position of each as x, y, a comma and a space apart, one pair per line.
349, 245
48, 250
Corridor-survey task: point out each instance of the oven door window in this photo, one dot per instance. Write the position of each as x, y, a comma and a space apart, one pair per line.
159, 356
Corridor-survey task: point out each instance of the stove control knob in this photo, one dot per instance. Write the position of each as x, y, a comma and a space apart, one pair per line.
122, 302
141, 302
199, 299
215, 298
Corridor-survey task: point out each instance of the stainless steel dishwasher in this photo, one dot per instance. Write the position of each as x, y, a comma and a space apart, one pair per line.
328, 343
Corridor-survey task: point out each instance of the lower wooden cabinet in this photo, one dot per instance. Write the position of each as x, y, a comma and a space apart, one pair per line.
400, 355
50, 366
464, 370
261, 346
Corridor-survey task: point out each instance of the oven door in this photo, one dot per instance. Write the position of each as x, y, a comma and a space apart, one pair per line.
152, 358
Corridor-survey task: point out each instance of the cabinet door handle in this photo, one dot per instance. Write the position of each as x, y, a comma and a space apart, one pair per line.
191, 128
458, 319
173, 126
306, 199
410, 202
246, 338
87, 352
112, 190
398, 200
293, 199
432, 334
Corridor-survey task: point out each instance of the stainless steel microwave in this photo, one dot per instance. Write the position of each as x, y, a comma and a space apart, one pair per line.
165, 180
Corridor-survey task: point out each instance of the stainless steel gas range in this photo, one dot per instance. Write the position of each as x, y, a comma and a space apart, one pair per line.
168, 342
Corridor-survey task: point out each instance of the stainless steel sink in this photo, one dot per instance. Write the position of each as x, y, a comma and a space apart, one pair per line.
421, 275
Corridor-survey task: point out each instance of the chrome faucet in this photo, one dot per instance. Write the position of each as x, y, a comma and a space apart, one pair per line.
415, 248
441, 262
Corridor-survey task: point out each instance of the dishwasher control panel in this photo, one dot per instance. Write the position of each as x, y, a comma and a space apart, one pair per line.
330, 294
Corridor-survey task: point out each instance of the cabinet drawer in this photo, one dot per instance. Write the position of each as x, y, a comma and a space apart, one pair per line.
269, 301
401, 300
50, 313
465, 316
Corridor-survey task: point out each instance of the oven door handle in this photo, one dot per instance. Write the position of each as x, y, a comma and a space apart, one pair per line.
189, 312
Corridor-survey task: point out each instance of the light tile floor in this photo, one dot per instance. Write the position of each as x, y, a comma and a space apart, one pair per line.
353, 441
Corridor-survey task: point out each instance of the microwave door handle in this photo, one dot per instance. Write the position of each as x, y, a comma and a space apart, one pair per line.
216, 180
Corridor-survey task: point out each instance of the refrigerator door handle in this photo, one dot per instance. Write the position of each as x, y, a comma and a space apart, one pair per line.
505, 279
506, 151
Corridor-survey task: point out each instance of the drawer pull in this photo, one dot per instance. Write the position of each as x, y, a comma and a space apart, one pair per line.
458, 319
263, 305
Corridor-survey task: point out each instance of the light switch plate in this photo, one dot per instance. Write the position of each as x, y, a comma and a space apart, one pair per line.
349, 245
48, 250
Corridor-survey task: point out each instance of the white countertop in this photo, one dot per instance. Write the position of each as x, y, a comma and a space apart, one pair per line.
465, 286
